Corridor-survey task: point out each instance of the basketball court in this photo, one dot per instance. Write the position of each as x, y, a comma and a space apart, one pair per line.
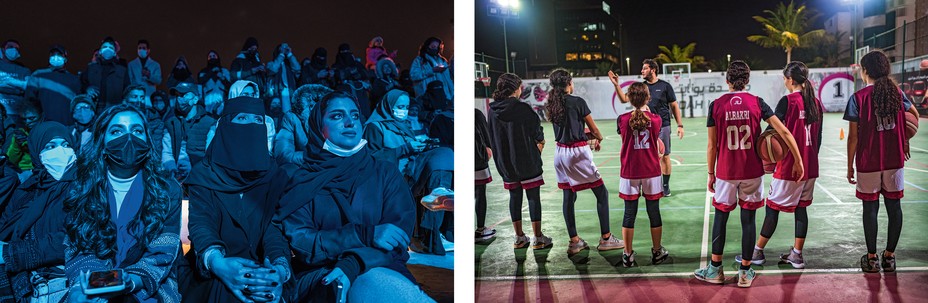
832, 250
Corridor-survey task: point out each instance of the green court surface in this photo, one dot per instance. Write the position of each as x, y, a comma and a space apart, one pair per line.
834, 243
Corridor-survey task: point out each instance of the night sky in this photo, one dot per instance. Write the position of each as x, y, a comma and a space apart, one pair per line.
718, 27
192, 28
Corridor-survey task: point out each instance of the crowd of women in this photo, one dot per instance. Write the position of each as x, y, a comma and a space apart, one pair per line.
324, 207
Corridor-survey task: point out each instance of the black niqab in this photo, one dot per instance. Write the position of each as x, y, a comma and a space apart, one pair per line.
237, 159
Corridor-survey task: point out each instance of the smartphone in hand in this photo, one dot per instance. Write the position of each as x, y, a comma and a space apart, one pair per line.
104, 281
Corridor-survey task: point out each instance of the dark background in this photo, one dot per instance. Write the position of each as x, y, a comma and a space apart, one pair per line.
192, 28
718, 27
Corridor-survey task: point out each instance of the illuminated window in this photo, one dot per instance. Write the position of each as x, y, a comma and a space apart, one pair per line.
571, 57
586, 56
597, 56
585, 37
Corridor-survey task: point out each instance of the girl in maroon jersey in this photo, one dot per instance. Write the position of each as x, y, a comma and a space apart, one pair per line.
876, 143
801, 113
641, 172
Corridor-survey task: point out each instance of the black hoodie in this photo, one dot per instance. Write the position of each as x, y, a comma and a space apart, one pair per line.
515, 131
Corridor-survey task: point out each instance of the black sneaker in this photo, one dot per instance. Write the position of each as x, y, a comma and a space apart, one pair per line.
888, 263
666, 190
870, 265
628, 260
659, 256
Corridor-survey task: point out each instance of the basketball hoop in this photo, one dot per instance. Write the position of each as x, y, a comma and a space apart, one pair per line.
485, 80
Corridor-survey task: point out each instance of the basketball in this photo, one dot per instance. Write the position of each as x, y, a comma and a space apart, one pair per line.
594, 145
911, 125
660, 147
771, 147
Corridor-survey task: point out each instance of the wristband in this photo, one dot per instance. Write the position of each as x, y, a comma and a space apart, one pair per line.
680, 125
712, 173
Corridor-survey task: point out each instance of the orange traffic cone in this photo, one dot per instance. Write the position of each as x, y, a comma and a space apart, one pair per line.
841, 134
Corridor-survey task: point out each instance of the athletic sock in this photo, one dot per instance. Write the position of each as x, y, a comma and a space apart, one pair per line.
758, 247
666, 181
716, 263
797, 251
745, 267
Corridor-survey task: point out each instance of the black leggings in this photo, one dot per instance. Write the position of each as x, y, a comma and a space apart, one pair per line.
602, 209
748, 233
631, 211
894, 212
770, 222
534, 204
481, 192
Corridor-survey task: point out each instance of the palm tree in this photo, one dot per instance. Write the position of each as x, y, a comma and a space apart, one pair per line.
786, 27
677, 54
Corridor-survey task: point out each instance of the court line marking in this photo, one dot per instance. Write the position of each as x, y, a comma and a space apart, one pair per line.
684, 274
822, 187
916, 148
675, 165
915, 186
916, 169
705, 232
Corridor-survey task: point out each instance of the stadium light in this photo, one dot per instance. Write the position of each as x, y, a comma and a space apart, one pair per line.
628, 65
729, 59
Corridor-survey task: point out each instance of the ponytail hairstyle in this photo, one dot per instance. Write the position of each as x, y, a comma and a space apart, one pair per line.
639, 96
799, 73
738, 74
506, 85
560, 78
887, 101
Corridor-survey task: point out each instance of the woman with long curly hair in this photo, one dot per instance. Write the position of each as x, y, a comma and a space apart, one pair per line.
573, 159
516, 140
877, 144
123, 213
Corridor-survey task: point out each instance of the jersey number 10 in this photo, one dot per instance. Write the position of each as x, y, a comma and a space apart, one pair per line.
737, 140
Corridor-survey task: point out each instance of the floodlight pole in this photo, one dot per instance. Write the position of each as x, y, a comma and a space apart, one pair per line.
505, 44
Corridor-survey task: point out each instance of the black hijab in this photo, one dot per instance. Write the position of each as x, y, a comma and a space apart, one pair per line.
343, 60
324, 172
319, 58
181, 74
41, 134
237, 159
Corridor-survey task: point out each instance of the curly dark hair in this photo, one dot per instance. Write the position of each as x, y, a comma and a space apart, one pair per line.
89, 226
639, 96
738, 74
652, 65
314, 92
506, 85
560, 78
799, 73
887, 100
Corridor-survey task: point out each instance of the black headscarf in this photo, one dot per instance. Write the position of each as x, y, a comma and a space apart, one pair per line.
181, 74
344, 59
237, 159
41, 134
251, 41
317, 62
214, 63
324, 171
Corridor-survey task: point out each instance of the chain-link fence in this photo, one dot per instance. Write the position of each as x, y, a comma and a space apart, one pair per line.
905, 44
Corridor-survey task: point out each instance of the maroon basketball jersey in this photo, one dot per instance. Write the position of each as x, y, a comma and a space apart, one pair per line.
879, 141
737, 118
639, 148
806, 138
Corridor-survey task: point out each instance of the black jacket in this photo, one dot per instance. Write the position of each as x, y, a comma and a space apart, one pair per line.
481, 141
53, 89
109, 78
515, 131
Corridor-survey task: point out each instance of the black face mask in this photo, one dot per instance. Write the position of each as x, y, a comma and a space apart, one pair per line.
433, 52
212, 62
127, 152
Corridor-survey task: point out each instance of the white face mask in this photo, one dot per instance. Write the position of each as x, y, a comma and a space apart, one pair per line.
56, 61
57, 160
400, 113
341, 152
